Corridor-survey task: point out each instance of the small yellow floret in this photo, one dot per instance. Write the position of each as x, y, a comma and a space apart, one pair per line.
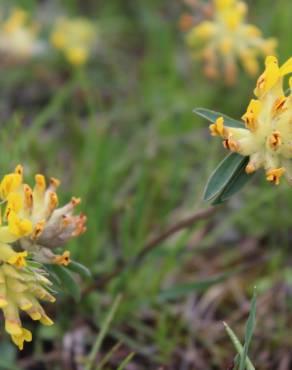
252, 113
10, 183
14, 203
25, 336
18, 259
274, 175
19, 227
40, 182
77, 56
217, 128
63, 259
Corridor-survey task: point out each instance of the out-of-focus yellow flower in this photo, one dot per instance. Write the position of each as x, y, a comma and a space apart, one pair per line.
267, 136
19, 36
31, 218
226, 38
75, 38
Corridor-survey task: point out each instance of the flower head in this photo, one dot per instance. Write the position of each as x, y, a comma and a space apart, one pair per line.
75, 38
226, 38
19, 36
32, 225
267, 136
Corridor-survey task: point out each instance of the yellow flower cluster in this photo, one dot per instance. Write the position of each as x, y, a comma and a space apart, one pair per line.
226, 38
19, 36
267, 136
31, 226
75, 38
20, 39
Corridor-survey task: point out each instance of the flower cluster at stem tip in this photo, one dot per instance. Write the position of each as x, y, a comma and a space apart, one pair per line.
75, 38
224, 39
267, 136
32, 225
19, 36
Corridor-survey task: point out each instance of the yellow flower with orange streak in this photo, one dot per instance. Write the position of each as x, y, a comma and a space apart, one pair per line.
32, 225
267, 136
226, 39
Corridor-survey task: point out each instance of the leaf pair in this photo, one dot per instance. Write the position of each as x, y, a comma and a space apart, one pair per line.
229, 177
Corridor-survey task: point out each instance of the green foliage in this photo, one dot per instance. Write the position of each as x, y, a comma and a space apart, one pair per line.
227, 179
243, 361
103, 331
212, 117
122, 136
65, 281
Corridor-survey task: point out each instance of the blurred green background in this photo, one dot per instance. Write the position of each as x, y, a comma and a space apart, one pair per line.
120, 133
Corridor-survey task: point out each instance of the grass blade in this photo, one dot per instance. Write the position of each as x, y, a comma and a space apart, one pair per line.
108, 356
125, 362
248, 331
238, 346
103, 331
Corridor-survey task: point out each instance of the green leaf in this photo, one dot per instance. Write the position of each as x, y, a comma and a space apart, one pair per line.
211, 116
8, 355
238, 346
68, 283
80, 269
223, 174
248, 332
198, 286
236, 183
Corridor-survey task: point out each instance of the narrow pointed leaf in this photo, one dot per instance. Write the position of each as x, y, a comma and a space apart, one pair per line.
68, 283
126, 361
236, 183
211, 116
223, 174
238, 346
248, 332
80, 269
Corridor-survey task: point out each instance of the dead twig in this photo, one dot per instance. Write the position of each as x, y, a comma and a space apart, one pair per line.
151, 245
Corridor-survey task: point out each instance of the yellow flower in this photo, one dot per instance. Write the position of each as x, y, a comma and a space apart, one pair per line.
25, 336
267, 136
20, 289
31, 218
75, 38
217, 128
9, 184
7, 254
17, 226
63, 259
19, 36
227, 38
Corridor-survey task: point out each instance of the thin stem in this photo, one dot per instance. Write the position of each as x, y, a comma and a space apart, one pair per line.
151, 245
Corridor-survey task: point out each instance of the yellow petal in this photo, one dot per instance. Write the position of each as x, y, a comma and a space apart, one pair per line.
286, 67
10, 183
12, 327
19, 227
274, 175
63, 259
18, 259
217, 128
25, 336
